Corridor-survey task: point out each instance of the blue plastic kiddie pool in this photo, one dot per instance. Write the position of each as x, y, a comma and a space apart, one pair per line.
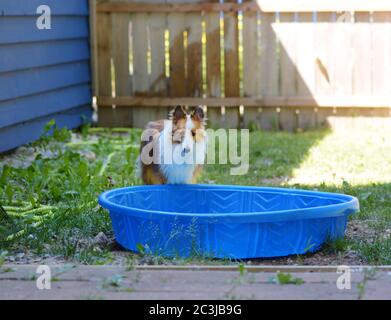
225, 221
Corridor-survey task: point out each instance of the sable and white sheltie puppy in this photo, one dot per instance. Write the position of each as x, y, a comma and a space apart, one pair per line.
172, 151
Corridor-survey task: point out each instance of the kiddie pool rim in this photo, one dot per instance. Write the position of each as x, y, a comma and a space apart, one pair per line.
349, 205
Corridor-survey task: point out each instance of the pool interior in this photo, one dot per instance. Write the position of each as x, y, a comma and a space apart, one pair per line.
219, 201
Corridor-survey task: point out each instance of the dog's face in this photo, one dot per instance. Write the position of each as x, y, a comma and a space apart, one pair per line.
188, 128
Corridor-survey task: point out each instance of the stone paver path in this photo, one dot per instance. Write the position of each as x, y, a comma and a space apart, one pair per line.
225, 282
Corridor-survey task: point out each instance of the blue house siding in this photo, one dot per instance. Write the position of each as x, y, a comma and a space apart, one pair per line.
44, 74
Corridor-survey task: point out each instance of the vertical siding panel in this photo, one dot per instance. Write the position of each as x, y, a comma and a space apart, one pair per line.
43, 75
93, 47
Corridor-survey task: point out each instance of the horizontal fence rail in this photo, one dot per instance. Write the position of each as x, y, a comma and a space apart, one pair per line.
260, 5
270, 64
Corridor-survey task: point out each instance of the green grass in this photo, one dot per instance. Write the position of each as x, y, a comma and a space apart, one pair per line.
64, 177
287, 278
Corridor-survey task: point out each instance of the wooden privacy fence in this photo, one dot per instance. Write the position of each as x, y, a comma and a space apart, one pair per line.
284, 64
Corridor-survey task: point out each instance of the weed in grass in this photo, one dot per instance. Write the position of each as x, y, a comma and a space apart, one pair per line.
116, 283
286, 278
377, 252
242, 270
369, 274
244, 277
130, 262
116, 280
334, 246
141, 248
3, 255
32, 276
6, 270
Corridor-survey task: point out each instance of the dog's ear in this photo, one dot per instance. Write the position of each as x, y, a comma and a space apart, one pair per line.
177, 114
198, 114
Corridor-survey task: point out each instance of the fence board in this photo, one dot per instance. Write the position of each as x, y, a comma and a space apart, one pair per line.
269, 69
342, 55
123, 82
158, 84
323, 38
213, 65
141, 77
251, 66
231, 66
306, 63
176, 27
381, 50
103, 23
287, 33
194, 55
323, 69
362, 54
263, 5
323, 5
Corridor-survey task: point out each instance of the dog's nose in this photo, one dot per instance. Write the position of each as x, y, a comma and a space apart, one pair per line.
186, 150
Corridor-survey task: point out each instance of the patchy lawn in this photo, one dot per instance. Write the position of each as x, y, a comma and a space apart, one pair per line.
49, 191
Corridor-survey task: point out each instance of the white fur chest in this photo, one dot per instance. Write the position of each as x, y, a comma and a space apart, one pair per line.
176, 168
177, 173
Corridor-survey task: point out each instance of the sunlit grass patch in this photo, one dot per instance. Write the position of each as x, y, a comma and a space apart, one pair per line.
359, 155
